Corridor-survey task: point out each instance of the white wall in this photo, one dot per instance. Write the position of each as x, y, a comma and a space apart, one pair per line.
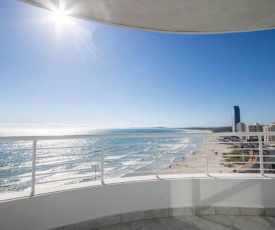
73, 206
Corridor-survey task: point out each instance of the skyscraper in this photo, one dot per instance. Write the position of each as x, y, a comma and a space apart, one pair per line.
236, 117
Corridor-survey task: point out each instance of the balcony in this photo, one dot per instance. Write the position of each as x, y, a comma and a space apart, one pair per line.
141, 181
58, 181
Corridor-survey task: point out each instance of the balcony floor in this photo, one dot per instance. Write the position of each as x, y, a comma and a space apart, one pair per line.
208, 222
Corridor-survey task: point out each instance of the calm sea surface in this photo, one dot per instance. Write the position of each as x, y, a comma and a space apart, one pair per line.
79, 160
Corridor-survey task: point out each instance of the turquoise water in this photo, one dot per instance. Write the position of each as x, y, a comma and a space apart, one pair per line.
123, 156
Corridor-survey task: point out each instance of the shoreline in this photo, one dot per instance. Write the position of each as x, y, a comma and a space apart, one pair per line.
195, 163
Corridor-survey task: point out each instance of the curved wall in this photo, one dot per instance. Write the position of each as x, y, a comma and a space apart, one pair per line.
165, 197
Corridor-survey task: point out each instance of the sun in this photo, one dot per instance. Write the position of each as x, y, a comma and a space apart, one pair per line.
60, 16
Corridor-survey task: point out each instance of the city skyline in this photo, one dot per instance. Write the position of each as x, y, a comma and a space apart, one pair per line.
102, 75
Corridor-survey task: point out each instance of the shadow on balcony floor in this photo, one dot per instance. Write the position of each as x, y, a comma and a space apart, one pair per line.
209, 222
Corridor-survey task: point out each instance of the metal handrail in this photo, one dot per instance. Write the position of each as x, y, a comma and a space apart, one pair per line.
140, 135
156, 144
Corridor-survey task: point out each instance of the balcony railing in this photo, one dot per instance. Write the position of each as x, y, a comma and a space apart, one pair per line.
28, 162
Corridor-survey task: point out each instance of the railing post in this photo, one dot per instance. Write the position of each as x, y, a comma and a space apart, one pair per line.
206, 155
102, 160
34, 146
261, 155
156, 155
95, 173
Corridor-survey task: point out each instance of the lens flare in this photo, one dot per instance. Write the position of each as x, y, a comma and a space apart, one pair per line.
60, 16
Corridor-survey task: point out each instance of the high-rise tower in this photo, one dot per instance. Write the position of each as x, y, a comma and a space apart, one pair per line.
236, 117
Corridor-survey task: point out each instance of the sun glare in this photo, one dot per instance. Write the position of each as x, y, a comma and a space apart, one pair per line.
66, 26
60, 17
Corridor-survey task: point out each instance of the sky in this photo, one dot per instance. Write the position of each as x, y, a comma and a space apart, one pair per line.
87, 73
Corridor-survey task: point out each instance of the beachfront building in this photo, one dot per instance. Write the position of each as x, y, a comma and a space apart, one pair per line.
269, 128
256, 127
240, 127
236, 117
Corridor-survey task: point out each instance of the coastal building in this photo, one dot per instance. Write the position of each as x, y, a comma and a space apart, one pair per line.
240, 127
236, 117
256, 127
269, 128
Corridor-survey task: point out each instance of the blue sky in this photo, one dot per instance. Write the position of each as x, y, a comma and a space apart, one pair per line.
97, 74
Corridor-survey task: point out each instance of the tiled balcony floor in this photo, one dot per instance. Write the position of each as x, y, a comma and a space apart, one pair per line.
207, 222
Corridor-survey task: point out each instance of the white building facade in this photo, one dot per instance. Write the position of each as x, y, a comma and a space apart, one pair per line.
269, 128
241, 127
256, 127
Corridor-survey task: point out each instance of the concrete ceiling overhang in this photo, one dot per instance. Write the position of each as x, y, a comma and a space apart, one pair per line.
172, 16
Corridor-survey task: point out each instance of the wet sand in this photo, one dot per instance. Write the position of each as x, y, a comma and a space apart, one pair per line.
195, 163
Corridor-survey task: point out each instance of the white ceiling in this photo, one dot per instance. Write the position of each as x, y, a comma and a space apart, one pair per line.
173, 16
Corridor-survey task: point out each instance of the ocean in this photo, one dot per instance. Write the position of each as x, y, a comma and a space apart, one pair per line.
61, 162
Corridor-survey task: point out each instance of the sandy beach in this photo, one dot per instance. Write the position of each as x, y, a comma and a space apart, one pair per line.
195, 163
